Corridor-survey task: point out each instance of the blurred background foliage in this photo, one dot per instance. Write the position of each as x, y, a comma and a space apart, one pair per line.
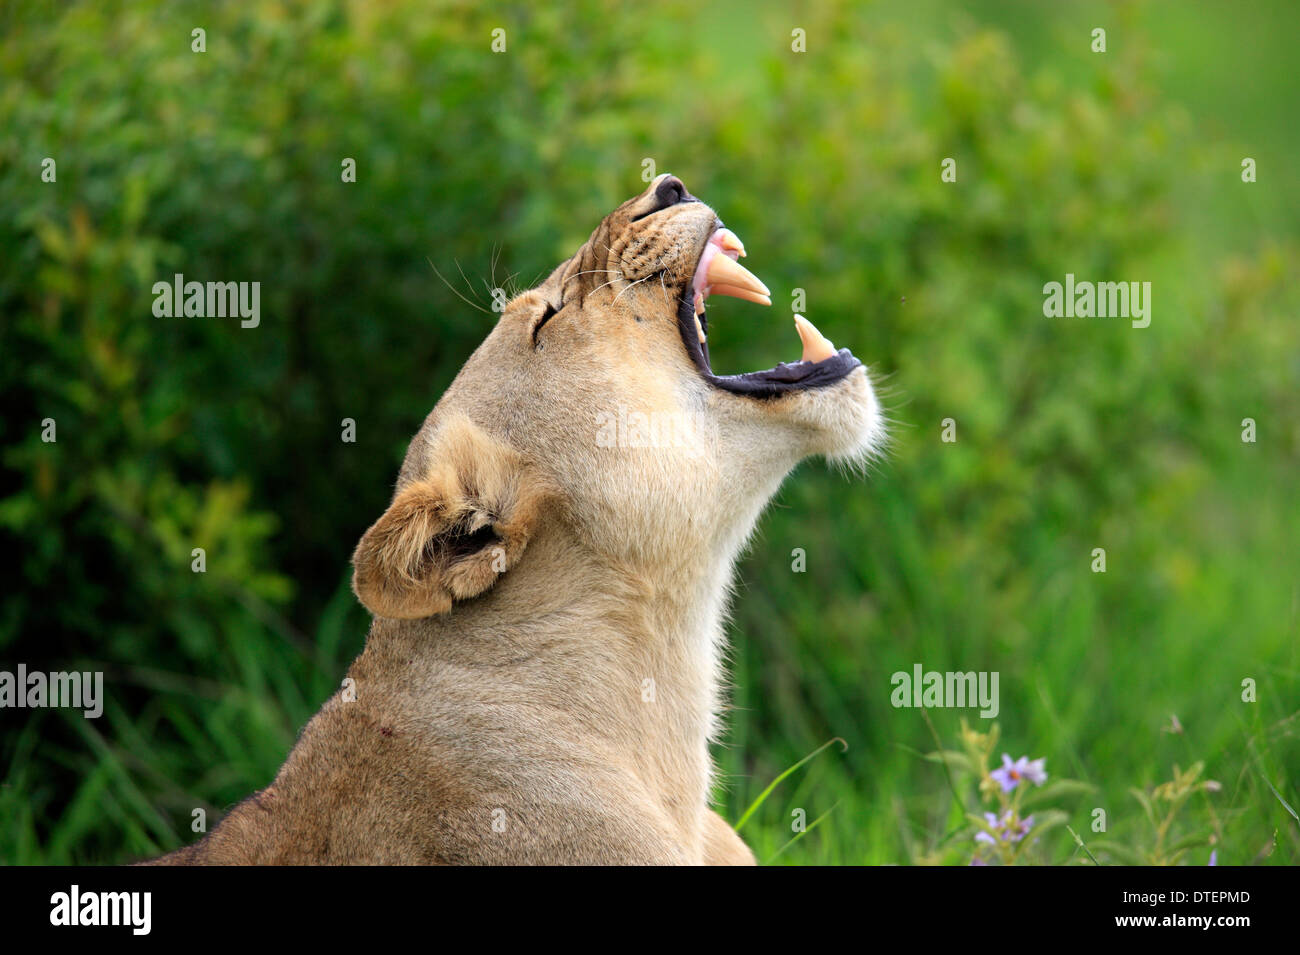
491, 168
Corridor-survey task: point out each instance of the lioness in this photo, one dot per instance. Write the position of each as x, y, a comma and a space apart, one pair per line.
543, 674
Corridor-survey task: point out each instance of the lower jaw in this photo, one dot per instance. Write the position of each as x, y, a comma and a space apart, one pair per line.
771, 382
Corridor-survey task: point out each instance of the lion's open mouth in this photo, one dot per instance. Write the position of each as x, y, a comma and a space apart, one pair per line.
719, 272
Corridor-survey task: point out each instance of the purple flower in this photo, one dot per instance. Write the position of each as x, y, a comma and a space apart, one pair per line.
1022, 830
1007, 829
983, 836
1214, 857
1011, 773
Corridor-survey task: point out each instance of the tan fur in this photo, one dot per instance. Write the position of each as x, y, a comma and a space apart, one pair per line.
543, 675
408, 565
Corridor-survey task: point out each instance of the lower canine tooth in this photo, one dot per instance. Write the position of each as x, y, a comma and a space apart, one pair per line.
699, 329
816, 346
699, 304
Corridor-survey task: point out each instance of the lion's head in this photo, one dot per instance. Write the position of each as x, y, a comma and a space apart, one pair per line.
591, 413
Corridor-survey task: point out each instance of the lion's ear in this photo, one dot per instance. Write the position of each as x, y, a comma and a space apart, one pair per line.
449, 535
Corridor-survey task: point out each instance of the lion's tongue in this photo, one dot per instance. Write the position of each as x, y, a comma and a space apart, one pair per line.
719, 272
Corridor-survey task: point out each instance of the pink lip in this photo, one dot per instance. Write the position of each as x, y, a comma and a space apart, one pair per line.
714, 246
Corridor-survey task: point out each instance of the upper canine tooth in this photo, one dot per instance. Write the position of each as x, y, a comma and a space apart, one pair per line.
730, 242
816, 346
736, 292
725, 271
699, 329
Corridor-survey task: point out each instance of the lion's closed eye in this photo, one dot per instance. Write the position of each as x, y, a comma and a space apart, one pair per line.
545, 317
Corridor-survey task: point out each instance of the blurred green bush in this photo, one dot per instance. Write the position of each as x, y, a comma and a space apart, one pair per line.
1072, 434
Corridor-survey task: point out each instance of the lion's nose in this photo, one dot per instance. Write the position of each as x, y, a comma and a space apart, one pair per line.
670, 192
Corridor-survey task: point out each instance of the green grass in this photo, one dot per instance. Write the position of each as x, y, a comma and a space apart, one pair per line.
1091, 689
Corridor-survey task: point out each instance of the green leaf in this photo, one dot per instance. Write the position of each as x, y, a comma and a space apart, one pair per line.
1056, 789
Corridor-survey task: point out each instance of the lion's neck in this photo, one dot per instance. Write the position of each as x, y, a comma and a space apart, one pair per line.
622, 662
630, 654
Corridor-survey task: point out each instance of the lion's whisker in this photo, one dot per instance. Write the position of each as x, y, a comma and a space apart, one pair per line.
457, 291
591, 272
599, 287
632, 286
